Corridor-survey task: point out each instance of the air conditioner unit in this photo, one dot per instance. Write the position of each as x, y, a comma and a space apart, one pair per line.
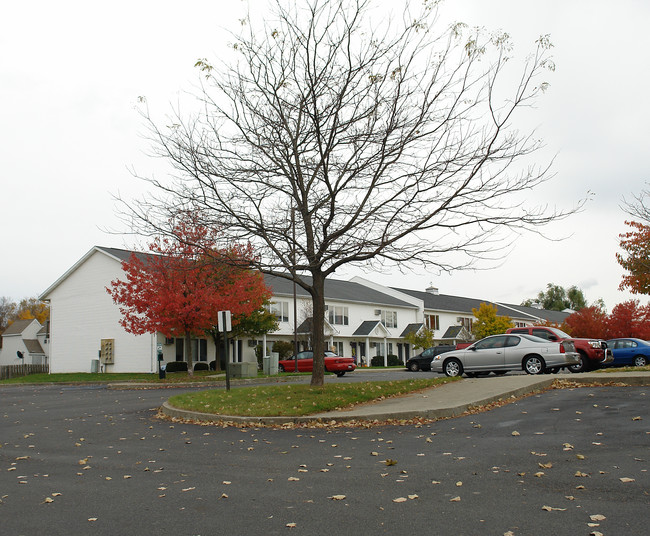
377, 312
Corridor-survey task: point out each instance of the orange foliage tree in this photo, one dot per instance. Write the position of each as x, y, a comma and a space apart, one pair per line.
184, 282
637, 259
629, 319
588, 322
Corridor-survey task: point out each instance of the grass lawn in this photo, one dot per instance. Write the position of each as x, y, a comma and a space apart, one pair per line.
82, 377
623, 369
296, 400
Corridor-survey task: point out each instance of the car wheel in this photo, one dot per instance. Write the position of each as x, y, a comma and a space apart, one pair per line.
580, 367
453, 367
414, 367
534, 364
280, 368
340, 373
640, 361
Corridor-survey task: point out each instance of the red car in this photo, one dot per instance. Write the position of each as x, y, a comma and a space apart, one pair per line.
333, 363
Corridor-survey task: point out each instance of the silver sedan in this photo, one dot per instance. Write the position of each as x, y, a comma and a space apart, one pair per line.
501, 353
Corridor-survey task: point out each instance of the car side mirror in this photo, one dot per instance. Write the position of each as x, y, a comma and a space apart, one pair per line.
472, 348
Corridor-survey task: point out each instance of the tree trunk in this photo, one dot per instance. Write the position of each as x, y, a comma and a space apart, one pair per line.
318, 328
188, 353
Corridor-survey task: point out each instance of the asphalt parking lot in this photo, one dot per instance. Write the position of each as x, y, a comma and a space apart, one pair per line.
87, 460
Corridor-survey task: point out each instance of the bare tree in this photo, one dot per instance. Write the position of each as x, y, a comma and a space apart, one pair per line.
639, 207
374, 143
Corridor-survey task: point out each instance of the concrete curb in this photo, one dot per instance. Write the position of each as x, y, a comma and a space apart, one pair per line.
361, 415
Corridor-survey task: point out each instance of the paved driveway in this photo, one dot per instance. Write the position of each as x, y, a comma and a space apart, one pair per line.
108, 466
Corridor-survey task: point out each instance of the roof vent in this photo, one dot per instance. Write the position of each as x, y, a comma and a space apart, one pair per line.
432, 290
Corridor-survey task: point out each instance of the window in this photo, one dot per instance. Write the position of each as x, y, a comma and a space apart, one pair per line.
338, 348
337, 315
520, 324
432, 322
466, 322
389, 319
543, 334
280, 310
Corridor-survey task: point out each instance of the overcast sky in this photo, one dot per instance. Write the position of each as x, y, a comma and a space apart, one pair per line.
71, 73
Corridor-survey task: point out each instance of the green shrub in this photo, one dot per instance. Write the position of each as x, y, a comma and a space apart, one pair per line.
176, 366
283, 348
201, 366
213, 365
393, 361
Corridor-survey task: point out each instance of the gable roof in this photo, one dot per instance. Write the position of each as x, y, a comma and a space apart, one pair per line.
17, 327
368, 326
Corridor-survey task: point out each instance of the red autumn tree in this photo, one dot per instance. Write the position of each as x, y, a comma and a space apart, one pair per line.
629, 319
587, 322
182, 284
637, 259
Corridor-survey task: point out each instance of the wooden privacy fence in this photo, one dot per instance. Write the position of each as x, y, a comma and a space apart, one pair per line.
13, 371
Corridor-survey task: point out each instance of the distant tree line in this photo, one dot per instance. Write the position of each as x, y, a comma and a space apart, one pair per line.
27, 308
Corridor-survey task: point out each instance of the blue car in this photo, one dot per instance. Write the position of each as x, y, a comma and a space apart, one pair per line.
629, 352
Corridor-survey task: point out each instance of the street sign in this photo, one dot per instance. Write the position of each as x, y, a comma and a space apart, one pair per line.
224, 321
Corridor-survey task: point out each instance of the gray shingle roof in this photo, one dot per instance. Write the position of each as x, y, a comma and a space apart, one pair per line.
17, 327
412, 328
33, 346
444, 302
457, 332
544, 314
336, 289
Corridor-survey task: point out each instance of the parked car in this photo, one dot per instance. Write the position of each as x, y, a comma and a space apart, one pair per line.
593, 352
629, 352
333, 363
502, 353
422, 361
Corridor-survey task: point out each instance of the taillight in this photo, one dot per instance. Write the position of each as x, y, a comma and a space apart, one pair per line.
562, 350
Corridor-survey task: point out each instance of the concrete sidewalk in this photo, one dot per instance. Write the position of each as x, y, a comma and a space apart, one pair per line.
445, 401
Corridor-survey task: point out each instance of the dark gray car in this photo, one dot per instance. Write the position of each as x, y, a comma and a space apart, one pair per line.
422, 361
